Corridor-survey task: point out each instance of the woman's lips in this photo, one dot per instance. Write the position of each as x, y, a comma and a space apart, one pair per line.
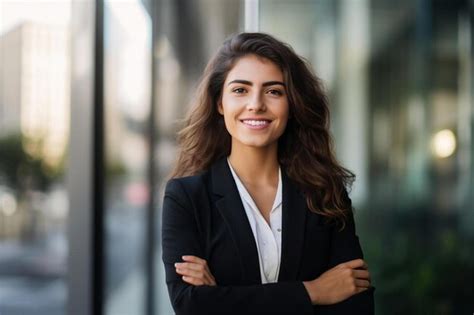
256, 124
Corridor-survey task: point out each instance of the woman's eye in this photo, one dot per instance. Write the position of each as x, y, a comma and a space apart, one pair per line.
238, 90
275, 92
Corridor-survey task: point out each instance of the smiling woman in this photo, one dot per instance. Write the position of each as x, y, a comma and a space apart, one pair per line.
256, 217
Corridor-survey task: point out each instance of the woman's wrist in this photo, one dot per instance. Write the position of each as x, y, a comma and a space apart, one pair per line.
311, 289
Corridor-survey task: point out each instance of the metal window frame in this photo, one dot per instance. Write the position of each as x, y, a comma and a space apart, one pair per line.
85, 175
151, 227
251, 15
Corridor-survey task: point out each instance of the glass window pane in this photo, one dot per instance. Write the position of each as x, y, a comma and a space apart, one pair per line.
34, 135
127, 85
188, 34
399, 75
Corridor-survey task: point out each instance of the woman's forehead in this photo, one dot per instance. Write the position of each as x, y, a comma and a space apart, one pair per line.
254, 68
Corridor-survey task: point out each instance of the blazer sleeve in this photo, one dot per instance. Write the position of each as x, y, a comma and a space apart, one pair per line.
345, 246
180, 236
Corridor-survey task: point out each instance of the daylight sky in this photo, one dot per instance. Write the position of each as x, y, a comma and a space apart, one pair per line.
13, 12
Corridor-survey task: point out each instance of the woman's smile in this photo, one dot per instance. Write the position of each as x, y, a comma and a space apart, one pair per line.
256, 124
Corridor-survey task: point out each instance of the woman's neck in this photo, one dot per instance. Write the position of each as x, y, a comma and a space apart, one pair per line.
255, 166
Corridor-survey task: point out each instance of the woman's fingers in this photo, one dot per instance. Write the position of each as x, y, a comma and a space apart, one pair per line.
202, 278
195, 271
353, 264
361, 274
362, 283
197, 260
339, 283
191, 272
191, 266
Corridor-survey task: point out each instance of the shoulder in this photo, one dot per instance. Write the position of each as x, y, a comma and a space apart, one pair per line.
188, 185
205, 181
187, 196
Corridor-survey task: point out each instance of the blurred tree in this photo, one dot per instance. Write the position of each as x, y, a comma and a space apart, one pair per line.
21, 171
419, 261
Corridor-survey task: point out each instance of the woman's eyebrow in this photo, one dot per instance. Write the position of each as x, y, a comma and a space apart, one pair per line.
268, 83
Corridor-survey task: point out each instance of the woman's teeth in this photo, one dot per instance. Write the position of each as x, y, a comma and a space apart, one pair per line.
256, 122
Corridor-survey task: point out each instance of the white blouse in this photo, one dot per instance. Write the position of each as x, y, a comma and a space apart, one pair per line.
267, 237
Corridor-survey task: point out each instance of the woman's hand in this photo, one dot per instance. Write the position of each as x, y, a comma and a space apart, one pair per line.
339, 283
195, 271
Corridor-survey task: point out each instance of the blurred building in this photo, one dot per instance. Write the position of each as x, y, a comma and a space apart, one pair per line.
34, 133
35, 88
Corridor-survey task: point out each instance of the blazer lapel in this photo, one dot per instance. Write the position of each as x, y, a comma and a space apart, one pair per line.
232, 210
293, 229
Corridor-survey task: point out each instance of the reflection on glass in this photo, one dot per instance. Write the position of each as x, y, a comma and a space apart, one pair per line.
34, 134
127, 107
187, 35
444, 143
399, 80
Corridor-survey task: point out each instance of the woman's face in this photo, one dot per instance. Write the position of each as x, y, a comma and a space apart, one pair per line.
254, 103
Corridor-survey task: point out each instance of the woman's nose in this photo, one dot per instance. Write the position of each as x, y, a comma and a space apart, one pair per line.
256, 103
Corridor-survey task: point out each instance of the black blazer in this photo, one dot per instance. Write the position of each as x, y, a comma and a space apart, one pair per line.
203, 216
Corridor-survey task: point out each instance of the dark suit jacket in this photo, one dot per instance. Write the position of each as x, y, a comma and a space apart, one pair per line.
203, 216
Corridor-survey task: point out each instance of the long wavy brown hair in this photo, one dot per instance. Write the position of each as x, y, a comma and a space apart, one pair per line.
305, 150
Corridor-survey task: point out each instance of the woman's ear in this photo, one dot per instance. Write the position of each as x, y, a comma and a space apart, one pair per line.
220, 108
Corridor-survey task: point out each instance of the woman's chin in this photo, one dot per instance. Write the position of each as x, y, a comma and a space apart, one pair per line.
257, 144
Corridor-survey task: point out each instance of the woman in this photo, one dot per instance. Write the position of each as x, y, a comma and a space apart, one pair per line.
256, 217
